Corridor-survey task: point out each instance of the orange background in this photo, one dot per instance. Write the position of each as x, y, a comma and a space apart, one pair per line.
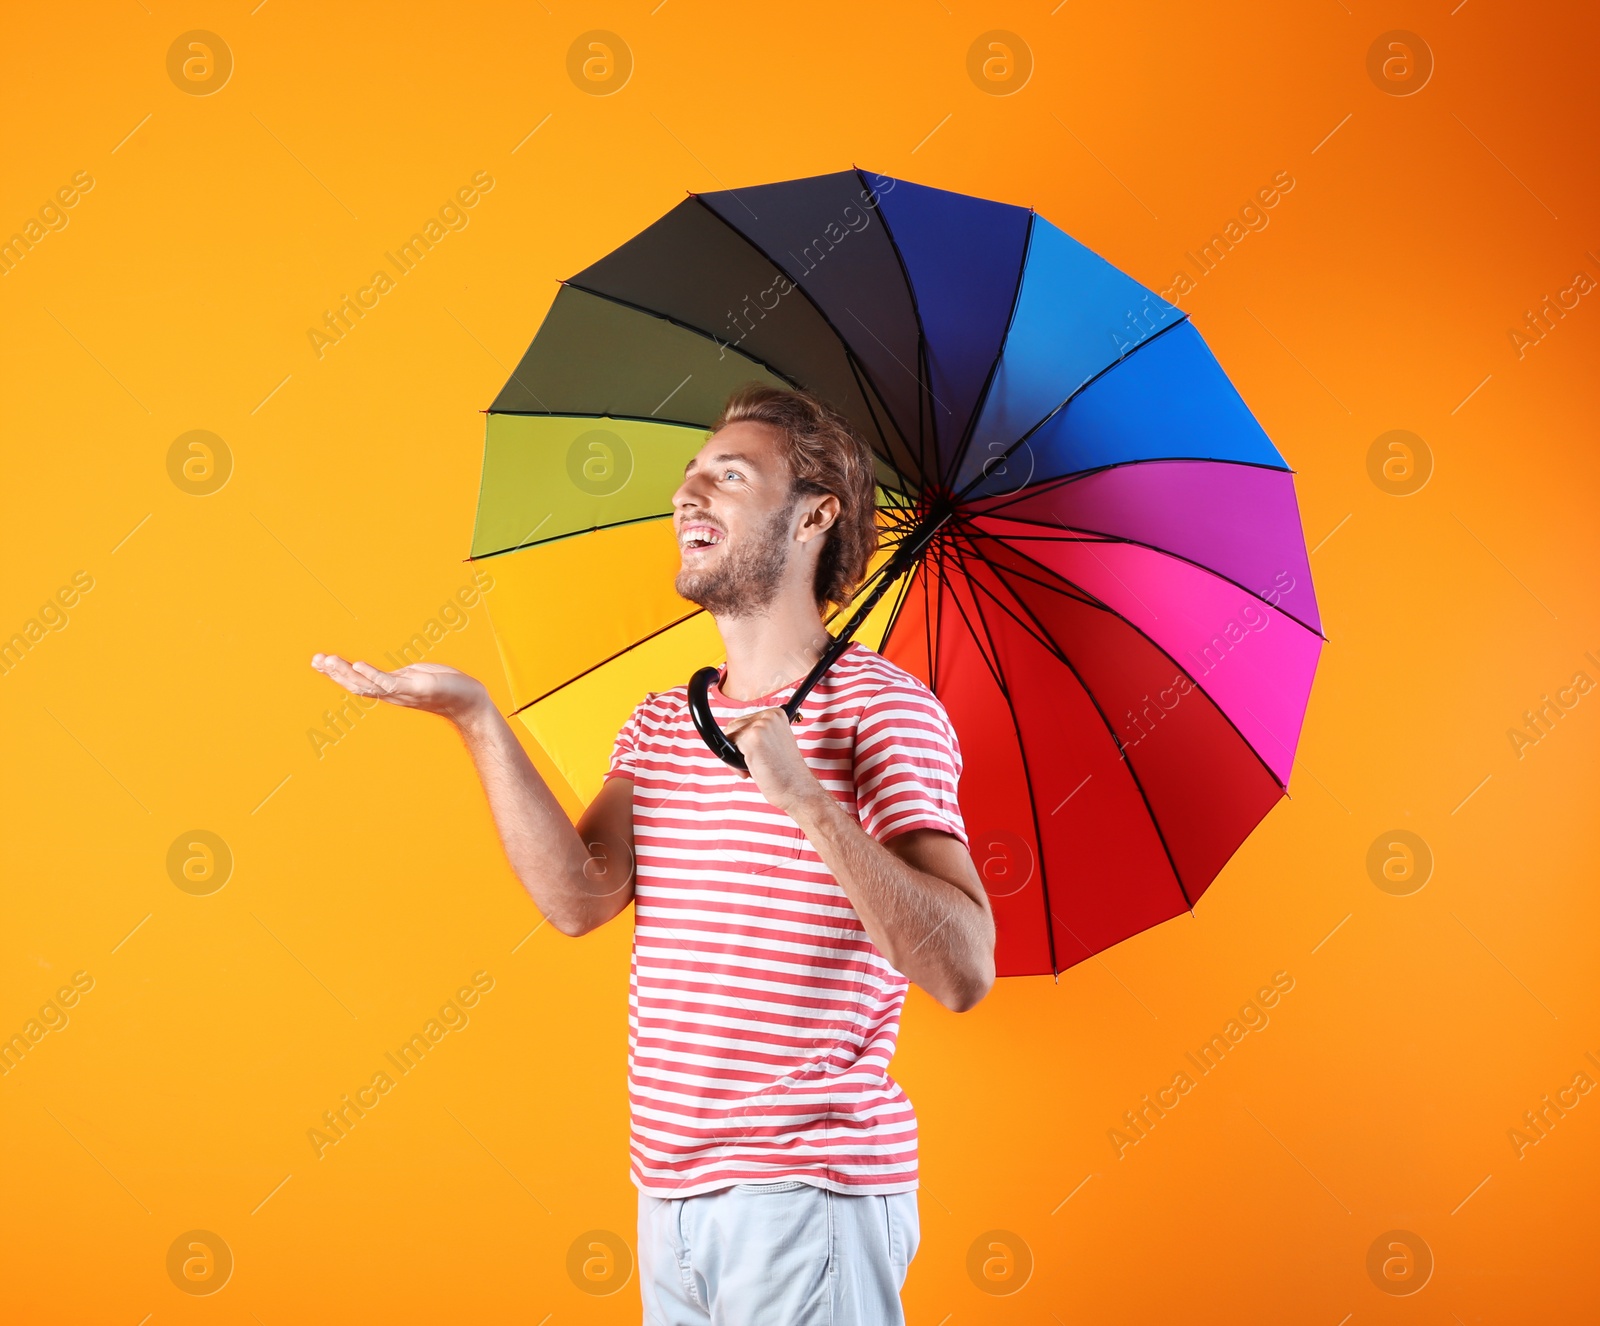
368, 885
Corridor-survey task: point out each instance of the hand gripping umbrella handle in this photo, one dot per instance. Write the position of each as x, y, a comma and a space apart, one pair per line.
705, 722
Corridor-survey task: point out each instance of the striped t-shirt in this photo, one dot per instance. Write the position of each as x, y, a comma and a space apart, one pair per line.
761, 1017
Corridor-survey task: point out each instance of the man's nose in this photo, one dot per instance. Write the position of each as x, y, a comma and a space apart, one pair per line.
690, 493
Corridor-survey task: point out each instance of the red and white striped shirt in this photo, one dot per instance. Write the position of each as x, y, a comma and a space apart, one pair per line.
762, 1018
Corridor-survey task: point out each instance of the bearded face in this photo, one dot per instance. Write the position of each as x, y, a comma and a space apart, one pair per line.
737, 573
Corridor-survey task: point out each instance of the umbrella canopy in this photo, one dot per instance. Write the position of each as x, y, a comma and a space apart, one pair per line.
1092, 551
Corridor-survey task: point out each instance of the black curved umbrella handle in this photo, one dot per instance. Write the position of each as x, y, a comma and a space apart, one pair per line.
705, 722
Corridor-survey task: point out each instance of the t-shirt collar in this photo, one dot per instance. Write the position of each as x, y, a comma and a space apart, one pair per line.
772, 698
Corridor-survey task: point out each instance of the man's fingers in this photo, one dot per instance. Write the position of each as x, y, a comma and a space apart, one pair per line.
385, 682
744, 720
331, 665
345, 674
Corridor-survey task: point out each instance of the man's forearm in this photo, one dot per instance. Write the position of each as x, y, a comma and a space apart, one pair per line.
544, 848
931, 932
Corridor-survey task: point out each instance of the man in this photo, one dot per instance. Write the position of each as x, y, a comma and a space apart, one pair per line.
778, 914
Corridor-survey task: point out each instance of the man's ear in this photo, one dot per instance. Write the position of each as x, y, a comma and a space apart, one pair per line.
818, 515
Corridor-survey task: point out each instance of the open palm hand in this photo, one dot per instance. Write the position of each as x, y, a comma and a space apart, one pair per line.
429, 686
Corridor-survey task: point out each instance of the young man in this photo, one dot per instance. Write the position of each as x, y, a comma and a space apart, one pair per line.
778, 914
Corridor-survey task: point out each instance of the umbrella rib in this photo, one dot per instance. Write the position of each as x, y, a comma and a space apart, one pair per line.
1122, 751
699, 424
1030, 491
610, 658
684, 326
570, 534
991, 659
806, 294
1027, 778
925, 390
924, 379
994, 365
902, 595
868, 397
1074, 394
1100, 536
1154, 644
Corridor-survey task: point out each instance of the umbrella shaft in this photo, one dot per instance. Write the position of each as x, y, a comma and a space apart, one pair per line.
904, 558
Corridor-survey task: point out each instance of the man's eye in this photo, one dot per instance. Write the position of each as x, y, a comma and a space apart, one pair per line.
733, 473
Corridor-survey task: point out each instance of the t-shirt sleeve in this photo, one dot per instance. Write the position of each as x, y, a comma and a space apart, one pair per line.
907, 765
624, 751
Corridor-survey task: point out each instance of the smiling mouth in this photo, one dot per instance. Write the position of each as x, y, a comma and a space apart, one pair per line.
698, 538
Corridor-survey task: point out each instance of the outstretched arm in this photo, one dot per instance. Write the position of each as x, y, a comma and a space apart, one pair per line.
579, 877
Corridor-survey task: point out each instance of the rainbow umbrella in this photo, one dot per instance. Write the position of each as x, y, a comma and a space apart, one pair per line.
1092, 552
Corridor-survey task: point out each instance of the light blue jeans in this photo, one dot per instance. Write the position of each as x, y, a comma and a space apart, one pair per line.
775, 1254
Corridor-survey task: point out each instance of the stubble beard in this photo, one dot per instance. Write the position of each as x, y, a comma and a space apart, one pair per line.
749, 575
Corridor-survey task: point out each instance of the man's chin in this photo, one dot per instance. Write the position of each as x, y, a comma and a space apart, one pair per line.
713, 594
699, 589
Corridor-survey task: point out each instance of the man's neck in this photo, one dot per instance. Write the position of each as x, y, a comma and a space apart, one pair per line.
767, 651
